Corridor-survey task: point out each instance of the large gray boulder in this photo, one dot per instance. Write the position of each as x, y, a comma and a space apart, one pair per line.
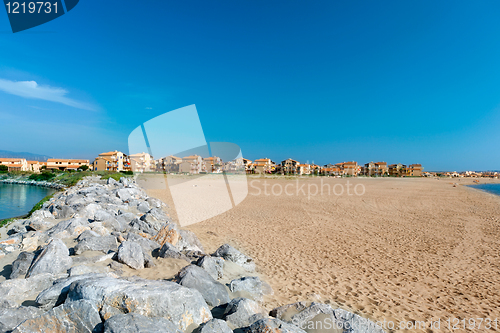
147, 245
213, 326
251, 287
136, 323
334, 318
189, 242
195, 277
54, 258
131, 254
183, 306
213, 265
170, 251
285, 312
20, 290
69, 228
228, 252
267, 325
104, 244
21, 265
242, 312
79, 316
10, 318
56, 294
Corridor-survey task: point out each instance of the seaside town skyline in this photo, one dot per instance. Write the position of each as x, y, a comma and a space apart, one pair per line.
117, 161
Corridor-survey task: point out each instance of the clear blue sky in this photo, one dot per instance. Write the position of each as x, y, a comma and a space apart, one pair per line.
329, 81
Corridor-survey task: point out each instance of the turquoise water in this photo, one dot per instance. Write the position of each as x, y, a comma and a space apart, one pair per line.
17, 200
492, 188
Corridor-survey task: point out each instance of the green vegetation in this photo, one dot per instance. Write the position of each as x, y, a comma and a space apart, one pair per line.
4, 169
44, 176
84, 168
6, 222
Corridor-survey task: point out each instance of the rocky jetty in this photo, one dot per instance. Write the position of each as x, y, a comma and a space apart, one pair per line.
32, 183
68, 262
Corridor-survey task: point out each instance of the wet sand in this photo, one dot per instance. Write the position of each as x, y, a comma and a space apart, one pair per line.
406, 250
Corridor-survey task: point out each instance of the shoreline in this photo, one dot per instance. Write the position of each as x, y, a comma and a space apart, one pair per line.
33, 183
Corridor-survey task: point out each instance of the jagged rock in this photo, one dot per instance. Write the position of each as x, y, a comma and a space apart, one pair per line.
114, 224
130, 254
169, 251
337, 318
56, 294
285, 312
79, 316
19, 290
148, 261
195, 277
85, 269
12, 240
136, 323
101, 215
21, 265
267, 325
111, 181
183, 306
147, 245
139, 225
213, 326
168, 234
54, 258
88, 212
124, 181
69, 228
189, 242
143, 207
213, 265
87, 233
7, 304
99, 229
155, 203
29, 242
242, 312
251, 287
64, 212
10, 318
104, 244
228, 252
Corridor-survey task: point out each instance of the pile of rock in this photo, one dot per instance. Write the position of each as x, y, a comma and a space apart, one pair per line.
58, 282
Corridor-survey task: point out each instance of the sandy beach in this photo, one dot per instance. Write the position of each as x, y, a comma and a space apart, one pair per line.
404, 250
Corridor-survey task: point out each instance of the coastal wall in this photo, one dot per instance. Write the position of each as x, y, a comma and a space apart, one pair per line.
102, 256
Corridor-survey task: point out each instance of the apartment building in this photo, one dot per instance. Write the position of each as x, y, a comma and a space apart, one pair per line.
349, 168
290, 166
142, 162
376, 169
304, 169
15, 164
168, 164
112, 161
264, 165
34, 166
213, 164
66, 164
192, 164
415, 170
397, 170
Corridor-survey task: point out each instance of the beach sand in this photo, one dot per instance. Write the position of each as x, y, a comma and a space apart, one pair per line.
406, 250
